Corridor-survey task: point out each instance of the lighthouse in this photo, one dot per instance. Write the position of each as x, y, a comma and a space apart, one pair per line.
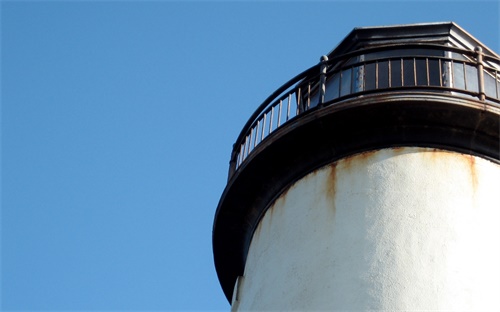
370, 181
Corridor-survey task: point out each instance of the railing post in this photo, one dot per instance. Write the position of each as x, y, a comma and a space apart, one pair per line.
480, 72
232, 162
322, 80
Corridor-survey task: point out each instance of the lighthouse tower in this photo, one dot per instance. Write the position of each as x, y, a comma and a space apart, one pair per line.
370, 181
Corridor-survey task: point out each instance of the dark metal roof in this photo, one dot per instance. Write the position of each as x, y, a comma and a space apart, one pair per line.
444, 33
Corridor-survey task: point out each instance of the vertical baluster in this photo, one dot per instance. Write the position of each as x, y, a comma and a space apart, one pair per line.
256, 134
440, 73
288, 111
427, 71
415, 71
298, 99
240, 155
496, 83
390, 72
263, 127
309, 95
238, 160
246, 148
272, 119
465, 75
233, 163
250, 140
402, 73
340, 81
452, 70
279, 114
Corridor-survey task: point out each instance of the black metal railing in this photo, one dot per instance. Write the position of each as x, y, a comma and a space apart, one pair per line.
423, 67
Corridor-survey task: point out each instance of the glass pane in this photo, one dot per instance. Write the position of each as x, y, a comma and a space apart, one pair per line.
421, 67
408, 73
446, 74
396, 73
291, 109
434, 73
345, 82
458, 56
305, 96
458, 76
332, 87
314, 102
471, 78
490, 84
370, 76
383, 75
284, 111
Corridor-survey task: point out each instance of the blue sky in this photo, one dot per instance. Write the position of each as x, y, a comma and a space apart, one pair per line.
117, 121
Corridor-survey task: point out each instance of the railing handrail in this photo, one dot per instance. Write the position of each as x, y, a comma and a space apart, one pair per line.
336, 65
262, 107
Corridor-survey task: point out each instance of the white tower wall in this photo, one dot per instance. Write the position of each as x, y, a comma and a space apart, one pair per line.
394, 229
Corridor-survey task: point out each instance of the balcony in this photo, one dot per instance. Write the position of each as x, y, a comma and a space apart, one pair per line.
413, 68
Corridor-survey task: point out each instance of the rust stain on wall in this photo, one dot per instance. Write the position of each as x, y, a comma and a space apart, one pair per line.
270, 212
473, 172
331, 185
256, 233
434, 154
331, 182
398, 149
430, 155
357, 159
468, 161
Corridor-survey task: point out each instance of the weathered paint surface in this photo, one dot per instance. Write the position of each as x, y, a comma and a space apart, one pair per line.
394, 229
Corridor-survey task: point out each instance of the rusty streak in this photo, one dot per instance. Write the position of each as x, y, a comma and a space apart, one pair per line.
331, 186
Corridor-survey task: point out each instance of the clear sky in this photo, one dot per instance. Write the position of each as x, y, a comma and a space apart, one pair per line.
117, 121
